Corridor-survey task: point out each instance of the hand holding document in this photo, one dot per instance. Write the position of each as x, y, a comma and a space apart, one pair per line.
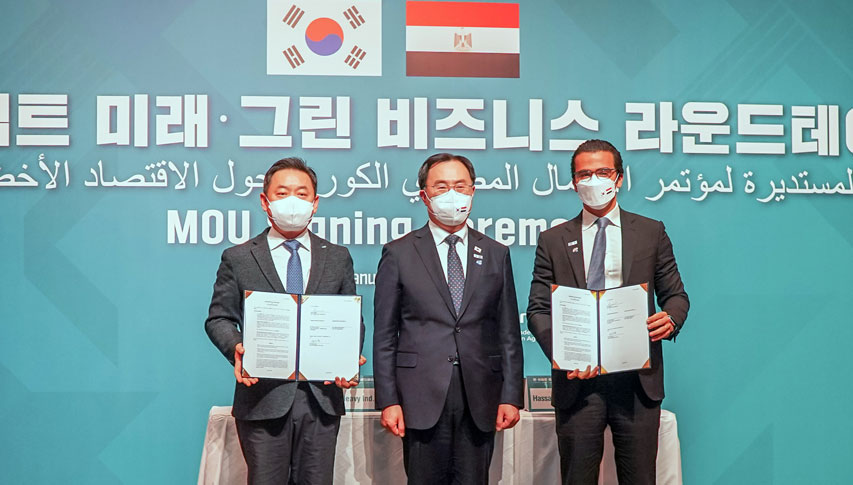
604, 329
660, 326
242, 376
345, 383
301, 337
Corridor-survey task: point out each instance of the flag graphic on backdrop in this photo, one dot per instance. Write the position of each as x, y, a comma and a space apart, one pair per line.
329, 38
462, 39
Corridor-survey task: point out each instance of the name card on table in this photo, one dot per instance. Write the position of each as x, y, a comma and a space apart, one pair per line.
538, 394
360, 399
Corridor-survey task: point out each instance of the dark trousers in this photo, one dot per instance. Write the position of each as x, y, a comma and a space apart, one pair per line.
298, 448
454, 451
617, 400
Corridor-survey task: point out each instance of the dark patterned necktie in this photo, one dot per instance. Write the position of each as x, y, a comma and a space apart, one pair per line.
595, 275
455, 275
294, 268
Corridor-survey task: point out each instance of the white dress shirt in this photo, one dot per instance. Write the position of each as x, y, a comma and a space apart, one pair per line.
613, 252
281, 255
439, 234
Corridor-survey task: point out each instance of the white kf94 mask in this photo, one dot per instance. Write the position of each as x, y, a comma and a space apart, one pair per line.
596, 192
291, 214
451, 208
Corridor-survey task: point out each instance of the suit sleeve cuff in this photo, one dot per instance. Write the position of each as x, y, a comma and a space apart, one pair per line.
677, 328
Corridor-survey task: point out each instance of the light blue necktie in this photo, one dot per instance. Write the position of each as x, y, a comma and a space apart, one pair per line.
595, 275
455, 275
294, 268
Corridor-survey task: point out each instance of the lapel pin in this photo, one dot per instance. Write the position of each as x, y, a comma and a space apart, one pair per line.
479, 262
477, 256
477, 249
573, 243
575, 250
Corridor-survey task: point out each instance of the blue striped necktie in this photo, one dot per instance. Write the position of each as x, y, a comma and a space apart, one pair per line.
294, 268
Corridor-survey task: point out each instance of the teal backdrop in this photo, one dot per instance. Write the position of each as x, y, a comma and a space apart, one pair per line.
108, 262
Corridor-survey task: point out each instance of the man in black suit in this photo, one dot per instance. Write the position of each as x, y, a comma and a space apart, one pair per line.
447, 343
606, 247
287, 429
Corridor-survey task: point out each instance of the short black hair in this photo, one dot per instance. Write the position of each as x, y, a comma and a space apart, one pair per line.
292, 163
591, 146
439, 158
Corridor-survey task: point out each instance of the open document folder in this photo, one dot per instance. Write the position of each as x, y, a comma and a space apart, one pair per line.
604, 328
301, 337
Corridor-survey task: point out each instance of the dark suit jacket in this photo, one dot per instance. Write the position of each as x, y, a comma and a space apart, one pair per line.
646, 257
249, 266
417, 333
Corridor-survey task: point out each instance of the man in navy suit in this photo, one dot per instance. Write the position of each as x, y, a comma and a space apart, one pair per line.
447, 343
606, 247
287, 429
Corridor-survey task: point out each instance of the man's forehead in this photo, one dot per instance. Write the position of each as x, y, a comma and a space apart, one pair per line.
449, 169
598, 158
289, 176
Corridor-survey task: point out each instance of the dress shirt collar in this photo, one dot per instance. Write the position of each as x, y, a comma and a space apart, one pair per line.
588, 218
439, 234
276, 239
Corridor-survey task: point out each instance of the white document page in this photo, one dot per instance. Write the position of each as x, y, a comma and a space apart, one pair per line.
329, 337
269, 335
574, 327
624, 334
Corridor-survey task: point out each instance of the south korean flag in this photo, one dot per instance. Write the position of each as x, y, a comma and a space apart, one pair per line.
328, 38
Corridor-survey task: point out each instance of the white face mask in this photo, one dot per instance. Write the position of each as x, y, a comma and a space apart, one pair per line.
291, 214
451, 208
596, 192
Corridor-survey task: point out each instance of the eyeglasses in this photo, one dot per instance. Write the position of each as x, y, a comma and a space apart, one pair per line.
460, 187
603, 173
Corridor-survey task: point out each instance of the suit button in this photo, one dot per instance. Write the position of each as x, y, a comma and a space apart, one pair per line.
458, 329
450, 358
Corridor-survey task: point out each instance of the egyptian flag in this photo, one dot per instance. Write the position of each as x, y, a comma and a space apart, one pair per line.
462, 39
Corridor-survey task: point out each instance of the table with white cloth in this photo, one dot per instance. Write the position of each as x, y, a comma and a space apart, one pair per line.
366, 453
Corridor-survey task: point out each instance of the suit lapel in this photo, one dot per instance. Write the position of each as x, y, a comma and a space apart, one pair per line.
263, 256
629, 241
472, 269
573, 245
425, 247
318, 262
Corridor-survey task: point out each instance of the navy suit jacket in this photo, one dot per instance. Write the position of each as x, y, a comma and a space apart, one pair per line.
249, 266
646, 258
417, 332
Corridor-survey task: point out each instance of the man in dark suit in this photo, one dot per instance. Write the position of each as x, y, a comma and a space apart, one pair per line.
447, 343
606, 247
287, 429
